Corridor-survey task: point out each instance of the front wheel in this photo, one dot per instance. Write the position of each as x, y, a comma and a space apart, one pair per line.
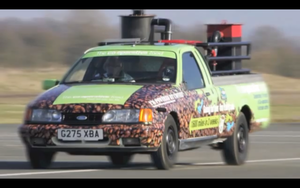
235, 148
165, 157
39, 159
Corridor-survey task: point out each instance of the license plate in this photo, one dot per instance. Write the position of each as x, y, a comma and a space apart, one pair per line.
80, 134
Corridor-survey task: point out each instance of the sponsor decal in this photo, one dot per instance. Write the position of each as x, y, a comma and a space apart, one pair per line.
106, 94
218, 108
167, 99
251, 88
130, 53
204, 123
220, 114
262, 100
94, 97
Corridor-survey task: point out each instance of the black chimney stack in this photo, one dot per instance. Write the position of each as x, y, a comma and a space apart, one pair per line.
166, 34
136, 25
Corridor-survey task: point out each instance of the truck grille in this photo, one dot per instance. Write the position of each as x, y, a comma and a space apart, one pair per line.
92, 118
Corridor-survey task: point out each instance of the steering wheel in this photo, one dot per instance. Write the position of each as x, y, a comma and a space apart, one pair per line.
166, 63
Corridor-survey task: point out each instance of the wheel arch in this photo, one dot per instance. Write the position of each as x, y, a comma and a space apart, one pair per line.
248, 114
176, 119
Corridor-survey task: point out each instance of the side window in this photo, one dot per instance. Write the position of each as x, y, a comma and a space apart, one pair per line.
191, 72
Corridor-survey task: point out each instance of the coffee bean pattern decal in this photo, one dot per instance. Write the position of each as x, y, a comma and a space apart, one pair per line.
182, 104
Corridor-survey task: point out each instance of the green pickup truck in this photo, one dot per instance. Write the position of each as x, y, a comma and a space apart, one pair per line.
157, 98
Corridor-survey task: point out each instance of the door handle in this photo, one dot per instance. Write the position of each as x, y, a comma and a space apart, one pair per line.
207, 93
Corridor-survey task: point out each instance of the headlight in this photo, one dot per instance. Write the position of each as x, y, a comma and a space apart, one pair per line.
128, 116
45, 115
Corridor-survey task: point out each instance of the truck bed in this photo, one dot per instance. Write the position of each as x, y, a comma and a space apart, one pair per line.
237, 79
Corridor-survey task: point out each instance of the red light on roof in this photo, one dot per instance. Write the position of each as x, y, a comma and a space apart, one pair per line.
180, 41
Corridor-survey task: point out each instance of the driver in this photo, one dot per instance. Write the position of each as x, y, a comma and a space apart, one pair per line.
114, 69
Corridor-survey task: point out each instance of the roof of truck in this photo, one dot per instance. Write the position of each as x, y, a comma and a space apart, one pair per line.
173, 48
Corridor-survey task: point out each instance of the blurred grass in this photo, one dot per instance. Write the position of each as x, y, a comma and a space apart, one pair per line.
12, 109
26, 81
285, 105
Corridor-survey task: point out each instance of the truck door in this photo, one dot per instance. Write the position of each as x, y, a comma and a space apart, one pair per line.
202, 120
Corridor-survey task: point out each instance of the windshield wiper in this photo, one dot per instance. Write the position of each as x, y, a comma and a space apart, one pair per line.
152, 77
74, 82
103, 80
145, 78
117, 79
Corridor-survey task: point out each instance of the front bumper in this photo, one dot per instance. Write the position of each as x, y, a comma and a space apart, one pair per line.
44, 137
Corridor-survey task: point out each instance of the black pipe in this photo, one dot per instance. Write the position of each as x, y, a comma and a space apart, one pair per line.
162, 22
138, 12
216, 37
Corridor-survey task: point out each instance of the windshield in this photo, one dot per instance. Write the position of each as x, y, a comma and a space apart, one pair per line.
139, 69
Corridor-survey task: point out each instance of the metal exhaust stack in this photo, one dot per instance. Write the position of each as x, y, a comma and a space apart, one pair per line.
167, 33
136, 25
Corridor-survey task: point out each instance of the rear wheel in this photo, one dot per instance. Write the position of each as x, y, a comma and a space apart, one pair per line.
39, 159
165, 157
235, 148
120, 159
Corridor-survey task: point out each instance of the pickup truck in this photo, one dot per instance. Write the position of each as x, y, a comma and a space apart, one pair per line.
164, 100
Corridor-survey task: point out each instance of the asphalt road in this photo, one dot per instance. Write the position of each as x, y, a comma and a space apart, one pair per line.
274, 152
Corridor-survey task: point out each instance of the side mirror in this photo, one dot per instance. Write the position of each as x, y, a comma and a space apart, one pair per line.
47, 84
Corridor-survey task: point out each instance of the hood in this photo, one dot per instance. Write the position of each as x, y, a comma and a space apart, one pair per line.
106, 94
103, 94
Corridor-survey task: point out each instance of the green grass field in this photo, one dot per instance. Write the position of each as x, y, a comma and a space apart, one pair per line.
285, 104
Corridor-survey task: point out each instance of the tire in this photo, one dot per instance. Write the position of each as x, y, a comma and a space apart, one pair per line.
39, 159
235, 150
165, 157
120, 159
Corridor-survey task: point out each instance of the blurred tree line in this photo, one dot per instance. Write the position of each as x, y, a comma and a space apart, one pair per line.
46, 41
